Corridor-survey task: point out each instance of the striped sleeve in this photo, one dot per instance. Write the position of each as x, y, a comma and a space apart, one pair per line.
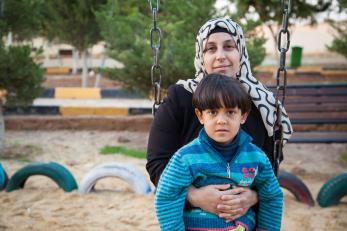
270, 198
171, 194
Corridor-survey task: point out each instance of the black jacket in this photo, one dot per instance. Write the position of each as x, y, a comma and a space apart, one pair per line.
175, 124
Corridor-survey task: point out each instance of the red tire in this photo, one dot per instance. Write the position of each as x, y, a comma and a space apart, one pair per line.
296, 186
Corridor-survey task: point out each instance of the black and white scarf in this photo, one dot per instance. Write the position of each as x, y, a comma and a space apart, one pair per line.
262, 97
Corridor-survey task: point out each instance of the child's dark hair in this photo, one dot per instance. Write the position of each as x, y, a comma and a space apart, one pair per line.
216, 91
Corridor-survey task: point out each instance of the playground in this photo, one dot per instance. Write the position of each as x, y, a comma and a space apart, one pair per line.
41, 205
73, 139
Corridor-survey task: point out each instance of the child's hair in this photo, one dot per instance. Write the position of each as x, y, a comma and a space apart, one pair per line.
217, 91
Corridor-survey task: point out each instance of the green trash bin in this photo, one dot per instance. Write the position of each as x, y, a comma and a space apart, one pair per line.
295, 58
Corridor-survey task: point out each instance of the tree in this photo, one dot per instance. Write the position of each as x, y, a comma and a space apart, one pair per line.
21, 17
339, 44
272, 16
20, 76
74, 22
125, 26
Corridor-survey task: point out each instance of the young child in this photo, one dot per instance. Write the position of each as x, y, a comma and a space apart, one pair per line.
221, 154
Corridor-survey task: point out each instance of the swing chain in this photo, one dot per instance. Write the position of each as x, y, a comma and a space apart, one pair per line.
156, 71
283, 44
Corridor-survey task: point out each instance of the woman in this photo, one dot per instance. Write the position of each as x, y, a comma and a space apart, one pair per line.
220, 47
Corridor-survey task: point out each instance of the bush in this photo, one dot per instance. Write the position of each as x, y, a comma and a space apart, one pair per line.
20, 76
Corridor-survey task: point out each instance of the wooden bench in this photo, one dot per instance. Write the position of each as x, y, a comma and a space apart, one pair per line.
318, 112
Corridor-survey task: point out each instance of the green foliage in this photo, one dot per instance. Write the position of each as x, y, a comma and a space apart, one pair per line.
255, 40
107, 150
301, 9
126, 27
20, 75
339, 44
343, 157
22, 17
72, 21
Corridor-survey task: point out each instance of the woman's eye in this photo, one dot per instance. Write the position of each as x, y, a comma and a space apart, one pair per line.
210, 49
229, 47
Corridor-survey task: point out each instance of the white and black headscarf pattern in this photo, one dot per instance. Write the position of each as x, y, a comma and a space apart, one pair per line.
261, 96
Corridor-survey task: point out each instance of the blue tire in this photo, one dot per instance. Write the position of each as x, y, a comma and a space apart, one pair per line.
3, 178
58, 173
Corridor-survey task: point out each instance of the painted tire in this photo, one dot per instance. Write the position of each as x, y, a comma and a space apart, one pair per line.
296, 186
333, 190
3, 178
58, 173
126, 172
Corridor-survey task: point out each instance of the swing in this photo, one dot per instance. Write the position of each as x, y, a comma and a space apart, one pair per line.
286, 180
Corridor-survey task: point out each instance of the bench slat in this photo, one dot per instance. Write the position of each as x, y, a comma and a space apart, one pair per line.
319, 137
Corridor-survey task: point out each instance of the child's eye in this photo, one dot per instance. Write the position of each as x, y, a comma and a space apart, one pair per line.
212, 112
231, 113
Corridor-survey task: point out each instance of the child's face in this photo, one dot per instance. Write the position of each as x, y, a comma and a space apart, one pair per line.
222, 124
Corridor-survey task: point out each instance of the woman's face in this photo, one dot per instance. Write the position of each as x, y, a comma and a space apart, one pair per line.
221, 55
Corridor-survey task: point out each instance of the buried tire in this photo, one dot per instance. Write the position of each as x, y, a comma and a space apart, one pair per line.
3, 178
333, 190
296, 186
58, 173
126, 172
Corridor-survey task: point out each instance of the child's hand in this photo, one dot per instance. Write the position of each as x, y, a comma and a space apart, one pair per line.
236, 202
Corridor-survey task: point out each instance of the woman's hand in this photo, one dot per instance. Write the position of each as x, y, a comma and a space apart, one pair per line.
236, 202
207, 198
226, 203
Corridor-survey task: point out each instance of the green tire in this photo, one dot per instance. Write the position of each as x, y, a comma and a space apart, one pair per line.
333, 190
58, 173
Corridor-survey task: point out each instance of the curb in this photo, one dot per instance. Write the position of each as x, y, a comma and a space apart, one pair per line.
91, 123
89, 93
75, 111
82, 95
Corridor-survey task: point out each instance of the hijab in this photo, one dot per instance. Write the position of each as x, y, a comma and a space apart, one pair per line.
263, 98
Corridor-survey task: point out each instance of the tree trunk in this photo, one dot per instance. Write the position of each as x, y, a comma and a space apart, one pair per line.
74, 61
274, 39
2, 131
9, 39
84, 68
98, 76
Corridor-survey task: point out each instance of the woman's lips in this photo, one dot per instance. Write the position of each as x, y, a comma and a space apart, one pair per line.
222, 67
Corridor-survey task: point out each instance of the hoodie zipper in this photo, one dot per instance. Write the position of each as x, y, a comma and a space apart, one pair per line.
228, 170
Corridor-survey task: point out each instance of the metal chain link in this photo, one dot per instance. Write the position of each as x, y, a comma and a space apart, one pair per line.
156, 71
283, 44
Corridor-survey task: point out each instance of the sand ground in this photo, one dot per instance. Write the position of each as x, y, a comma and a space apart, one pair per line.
42, 206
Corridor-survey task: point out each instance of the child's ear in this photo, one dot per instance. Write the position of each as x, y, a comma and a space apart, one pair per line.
199, 115
244, 117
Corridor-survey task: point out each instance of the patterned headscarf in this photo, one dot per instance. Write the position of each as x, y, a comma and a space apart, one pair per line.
263, 98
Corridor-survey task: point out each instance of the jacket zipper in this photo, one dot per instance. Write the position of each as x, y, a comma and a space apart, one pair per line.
228, 170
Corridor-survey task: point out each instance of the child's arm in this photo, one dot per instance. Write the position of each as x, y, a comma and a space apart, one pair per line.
270, 198
171, 194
